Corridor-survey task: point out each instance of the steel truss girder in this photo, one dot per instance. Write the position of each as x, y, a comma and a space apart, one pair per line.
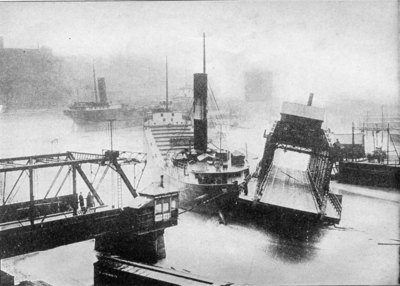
62, 159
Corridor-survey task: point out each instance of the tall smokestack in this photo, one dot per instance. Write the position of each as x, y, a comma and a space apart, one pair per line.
200, 106
310, 98
95, 85
1, 43
102, 90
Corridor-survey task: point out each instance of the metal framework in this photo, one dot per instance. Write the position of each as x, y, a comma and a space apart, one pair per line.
301, 135
74, 161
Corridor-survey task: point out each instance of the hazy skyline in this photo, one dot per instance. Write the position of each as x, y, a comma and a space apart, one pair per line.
338, 50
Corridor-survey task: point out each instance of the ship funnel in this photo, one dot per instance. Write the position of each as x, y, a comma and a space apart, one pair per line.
162, 181
102, 90
310, 99
200, 107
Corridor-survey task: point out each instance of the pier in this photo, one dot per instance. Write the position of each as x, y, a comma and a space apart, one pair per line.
114, 271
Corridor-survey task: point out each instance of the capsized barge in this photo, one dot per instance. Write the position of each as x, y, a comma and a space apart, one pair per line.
301, 194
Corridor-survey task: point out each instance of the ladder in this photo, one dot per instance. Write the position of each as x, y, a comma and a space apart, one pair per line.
119, 192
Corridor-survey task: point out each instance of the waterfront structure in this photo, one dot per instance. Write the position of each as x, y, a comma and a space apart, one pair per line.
381, 166
31, 78
134, 231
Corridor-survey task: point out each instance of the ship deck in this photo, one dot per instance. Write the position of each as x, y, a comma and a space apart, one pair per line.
204, 167
288, 189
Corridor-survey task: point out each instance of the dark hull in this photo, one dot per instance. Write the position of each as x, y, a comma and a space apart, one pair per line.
276, 215
84, 117
204, 198
369, 174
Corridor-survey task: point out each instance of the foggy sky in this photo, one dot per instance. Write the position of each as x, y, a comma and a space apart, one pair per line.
338, 50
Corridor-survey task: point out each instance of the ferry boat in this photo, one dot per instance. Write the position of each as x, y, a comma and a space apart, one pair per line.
292, 180
208, 178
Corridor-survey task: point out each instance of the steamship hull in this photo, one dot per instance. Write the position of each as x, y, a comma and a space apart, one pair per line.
121, 117
99, 112
206, 178
204, 198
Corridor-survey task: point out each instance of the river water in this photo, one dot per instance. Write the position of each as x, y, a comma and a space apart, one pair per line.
362, 249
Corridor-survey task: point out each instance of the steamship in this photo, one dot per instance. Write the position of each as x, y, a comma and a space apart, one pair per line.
208, 178
100, 111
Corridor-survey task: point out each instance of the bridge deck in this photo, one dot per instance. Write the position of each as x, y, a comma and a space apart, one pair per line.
289, 188
53, 217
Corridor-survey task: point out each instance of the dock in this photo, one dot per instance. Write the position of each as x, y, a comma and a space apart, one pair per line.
115, 271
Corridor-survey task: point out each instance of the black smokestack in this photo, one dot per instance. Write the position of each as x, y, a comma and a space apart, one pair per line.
102, 90
310, 98
200, 106
200, 112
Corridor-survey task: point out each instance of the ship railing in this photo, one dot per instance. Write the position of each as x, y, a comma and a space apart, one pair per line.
180, 172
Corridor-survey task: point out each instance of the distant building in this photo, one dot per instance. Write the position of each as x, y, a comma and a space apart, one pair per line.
258, 85
30, 78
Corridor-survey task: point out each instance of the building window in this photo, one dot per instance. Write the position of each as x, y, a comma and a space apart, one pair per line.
162, 114
173, 205
163, 210
172, 114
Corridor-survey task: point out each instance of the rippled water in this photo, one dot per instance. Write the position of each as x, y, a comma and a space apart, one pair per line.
248, 250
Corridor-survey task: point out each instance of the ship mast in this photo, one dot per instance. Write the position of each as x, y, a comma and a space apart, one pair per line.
166, 83
204, 53
94, 82
200, 106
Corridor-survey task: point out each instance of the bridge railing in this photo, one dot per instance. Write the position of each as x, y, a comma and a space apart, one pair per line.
336, 203
316, 193
43, 207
